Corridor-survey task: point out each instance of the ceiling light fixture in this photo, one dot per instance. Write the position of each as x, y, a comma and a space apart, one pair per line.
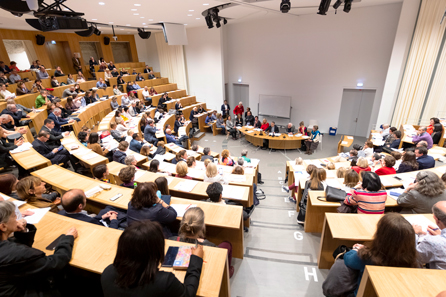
189, 15
133, 9
209, 21
347, 5
337, 4
94, 19
101, 3
197, 18
205, 3
136, 14
323, 7
150, 20
137, 4
285, 6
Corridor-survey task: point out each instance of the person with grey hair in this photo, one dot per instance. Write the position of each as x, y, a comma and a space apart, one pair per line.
422, 143
71, 91
58, 120
290, 128
130, 160
420, 197
16, 114
24, 270
245, 156
385, 132
206, 154
423, 135
432, 249
240, 162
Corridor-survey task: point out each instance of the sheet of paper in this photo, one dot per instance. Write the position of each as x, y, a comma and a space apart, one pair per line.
90, 156
298, 168
196, 174
408, 139
81, 152
332, 182
67, 141
255, 162
387, 182
37, 216
349, 137
298, 135
249, 170
232, 192
159, 157
305, 137
169, 179
236, 178
186, 185
344, 142
93, 191
420, 220
18, 203
139, 173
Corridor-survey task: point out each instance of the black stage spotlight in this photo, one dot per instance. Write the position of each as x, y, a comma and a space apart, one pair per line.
347, 5
225, 21
143, 34
323, 7
217, 23
86, 33
285, 6
337, 4
209, 22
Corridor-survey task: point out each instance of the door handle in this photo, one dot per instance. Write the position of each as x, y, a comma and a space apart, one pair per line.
356, 120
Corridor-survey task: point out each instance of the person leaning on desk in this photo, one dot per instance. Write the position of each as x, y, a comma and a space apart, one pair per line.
25, 271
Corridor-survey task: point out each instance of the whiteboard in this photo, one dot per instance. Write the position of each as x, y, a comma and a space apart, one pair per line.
275, 106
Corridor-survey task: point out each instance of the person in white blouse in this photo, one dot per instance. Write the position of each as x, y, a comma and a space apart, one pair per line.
107, 76
368, 149
5, 93
212, 175
125, 100
121, 125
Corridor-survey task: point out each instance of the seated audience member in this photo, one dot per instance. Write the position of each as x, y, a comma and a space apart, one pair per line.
430, 128
226, 158
257, 124
120, 154
154, 166
312, 143
93, 144
180, 156
56, 155
239, 121
353, 158
5, 93
13, 66
249, 119
121, 126
393, 245
386, 166
80, 78
193, 230
14, 77
244, 155
208, 119
74, 202
58, 72
351, 179
31, 190
160, 150
150, 133
397, 155
114, 103
181, 170
432, 249
395, 144
214, 192
127, 176
42, 74
4, 68
146, 95
55, 137
367, 150
83, 138
191, 162
368, 196
212, 175
424, 160
221, 123
419, 197
101, 84
58, 120
136, 143
37, 87
15, 113
230, 128
408, 163
290, 128
54, 82
135, 269
264, 125
385, 131
131, 160
238, 170
145, 205
22, 89
116, 91
206, 154
423, 135
172, 139
71, 105
361, 165
4, 79
422, 144
100, 172
317, 182
25, 270
436, 135
163, 189
273, 128
70, 79
302, 129
152, 75
117, 135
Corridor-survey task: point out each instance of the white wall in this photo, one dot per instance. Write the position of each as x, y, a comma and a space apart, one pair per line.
312, 58
147, 51
204, 62
403, 39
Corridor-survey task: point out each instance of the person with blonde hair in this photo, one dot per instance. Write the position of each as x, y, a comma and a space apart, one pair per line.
351, 178
181, 170
316, 183
226, 158
193, 230
361, 165
212, 175
299, 161
207, 162
331, 166
31, 188
340, 172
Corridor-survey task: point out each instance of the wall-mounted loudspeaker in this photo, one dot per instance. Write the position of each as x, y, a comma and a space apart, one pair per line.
106, 40
143, 34
40, 39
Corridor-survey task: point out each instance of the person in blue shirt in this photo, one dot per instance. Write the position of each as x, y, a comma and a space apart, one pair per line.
150, 132
393, 245
136, 86
208, 119
136, 143
101, 84
214, 116
172, 139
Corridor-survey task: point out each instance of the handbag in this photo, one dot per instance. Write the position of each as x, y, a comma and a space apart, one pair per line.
344, 208
335, 194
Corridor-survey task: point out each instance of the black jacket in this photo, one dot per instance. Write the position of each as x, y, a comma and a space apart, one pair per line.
5, 147
83, 217
119, 156
164, 284
57, 73
25, 271
55, 137
43, 149
16, 116
249, 120
157, 213
159, 151
270, 129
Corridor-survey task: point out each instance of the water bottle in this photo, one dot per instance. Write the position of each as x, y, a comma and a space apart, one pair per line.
220, 171
34, 110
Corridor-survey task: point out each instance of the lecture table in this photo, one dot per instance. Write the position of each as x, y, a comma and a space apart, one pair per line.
95, 249
30, 159
347, 229
346, 141
223, 222
282, 142
379, 281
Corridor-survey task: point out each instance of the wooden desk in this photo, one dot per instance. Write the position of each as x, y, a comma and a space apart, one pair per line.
346, 141
37, 118
379, 281
95, 249
198, 193
31, 158
316, 210
284, 141
348, 229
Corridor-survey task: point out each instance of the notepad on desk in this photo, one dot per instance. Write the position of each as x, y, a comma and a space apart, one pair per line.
420, 220
186, 185
182, 208
232, 192
39, 213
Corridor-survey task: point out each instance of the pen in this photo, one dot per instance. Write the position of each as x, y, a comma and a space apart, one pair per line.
435, 229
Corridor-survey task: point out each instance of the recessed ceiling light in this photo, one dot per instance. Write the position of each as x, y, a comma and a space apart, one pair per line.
189, 15
94, 19
146, 26
110, 22
141, 17
121, 29
137, 4
197, 18
128, 25
136, 14
185, 24
150, 20
191, 10
134, 9
143, 23
101, 3
205, 3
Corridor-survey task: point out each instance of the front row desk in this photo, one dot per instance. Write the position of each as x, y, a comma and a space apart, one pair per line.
95, 248
282, 142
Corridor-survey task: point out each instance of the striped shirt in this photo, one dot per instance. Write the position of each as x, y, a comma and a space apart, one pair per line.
367, 202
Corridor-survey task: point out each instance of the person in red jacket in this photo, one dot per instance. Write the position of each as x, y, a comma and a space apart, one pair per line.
239, 109
264, 125
387, 166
